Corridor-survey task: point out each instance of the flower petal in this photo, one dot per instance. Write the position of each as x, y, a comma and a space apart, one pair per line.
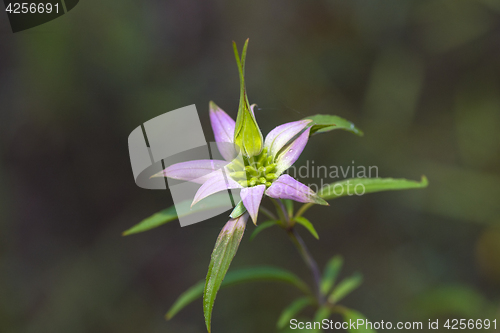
285, 187
223, 127
217, 181
195, 171
279, 137
292, 152
251, 197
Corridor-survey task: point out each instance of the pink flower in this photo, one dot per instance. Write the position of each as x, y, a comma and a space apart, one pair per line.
256, 176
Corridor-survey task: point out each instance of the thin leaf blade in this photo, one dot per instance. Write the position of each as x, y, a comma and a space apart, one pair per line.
359, 186
170, 214
254, 274
292, 310
326, 123
154, 221
308, 225
322, 313
261, 227
224, 251
345, 287
332, 270
350, 315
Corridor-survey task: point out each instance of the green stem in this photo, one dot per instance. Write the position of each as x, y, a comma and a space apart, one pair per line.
268, 213
303, 209
306, 255
281, 205
281, 214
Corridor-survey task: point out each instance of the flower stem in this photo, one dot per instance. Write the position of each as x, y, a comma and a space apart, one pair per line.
268, 213
303, 209
282, 214
301, 245
306, 255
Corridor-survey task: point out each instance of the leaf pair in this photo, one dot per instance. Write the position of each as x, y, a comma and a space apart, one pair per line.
344, 287
331, 191
301, 220
254, 274
324, 312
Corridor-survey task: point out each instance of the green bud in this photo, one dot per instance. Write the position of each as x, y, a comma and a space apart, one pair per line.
271, 176
247, 134
251, 170
262, 158
270, 168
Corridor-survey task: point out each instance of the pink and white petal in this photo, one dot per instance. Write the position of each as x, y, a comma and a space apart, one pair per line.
195, 171
285, 187
281, 135
292, 152
252, 196
223, 126
216, 181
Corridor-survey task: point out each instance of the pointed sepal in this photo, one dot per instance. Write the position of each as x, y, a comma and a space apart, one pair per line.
247, 134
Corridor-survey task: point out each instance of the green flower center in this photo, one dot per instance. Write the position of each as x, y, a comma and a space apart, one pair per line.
257, 170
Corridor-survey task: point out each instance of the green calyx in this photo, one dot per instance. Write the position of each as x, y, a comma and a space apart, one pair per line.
258, 170
247, 134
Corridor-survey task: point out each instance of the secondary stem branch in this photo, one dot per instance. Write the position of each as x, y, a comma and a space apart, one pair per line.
306, 255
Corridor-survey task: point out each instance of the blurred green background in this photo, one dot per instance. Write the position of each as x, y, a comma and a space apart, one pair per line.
421, 78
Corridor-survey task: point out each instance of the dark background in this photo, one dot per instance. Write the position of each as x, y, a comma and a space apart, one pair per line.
421, 78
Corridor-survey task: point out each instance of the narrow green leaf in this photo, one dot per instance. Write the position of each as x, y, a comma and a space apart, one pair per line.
332, 270
359, 186
293, 309
345, 287
238, 210
170, 214
326, 123
261, 227
187, 298
321, 314
308, 225
225, 249
350, 315
153, 221
254, 274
